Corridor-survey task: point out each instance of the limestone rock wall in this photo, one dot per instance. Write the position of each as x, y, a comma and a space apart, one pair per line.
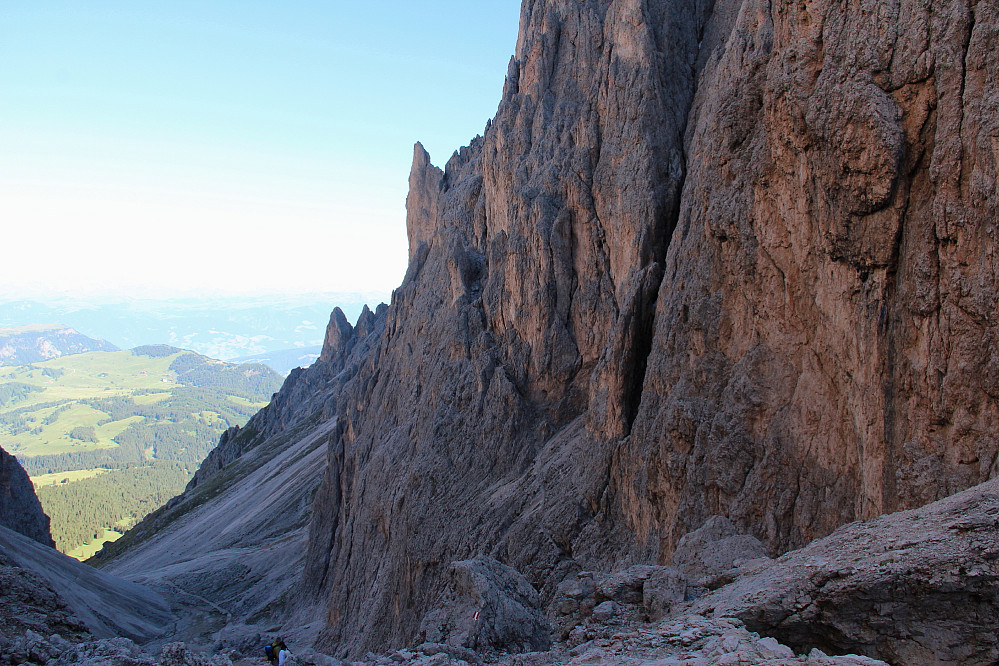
510, 354
730, 258
20, 509
825, 333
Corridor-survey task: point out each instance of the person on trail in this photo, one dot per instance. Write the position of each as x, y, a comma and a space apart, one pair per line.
284, 656
273, 651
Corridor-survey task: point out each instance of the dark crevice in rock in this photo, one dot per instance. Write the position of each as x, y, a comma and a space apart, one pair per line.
645, 318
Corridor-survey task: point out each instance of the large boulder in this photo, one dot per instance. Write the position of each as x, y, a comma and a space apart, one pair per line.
488, 605
637, 594
915, 587
714, 549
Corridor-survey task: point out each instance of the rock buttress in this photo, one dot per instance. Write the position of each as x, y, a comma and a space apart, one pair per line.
507, 359
729, 258
20, 509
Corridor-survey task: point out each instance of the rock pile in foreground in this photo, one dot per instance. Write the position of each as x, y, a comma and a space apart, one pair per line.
912, 588
916, 587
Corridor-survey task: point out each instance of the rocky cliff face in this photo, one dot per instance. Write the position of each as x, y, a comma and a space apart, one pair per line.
825, 334
729, 258
20, 509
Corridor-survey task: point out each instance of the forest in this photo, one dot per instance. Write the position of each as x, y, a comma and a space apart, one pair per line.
127, 429
116, 500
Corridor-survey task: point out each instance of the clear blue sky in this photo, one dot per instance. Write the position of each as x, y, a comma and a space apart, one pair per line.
162, 146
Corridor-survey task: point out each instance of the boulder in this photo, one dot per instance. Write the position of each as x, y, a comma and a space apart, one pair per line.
625, 586
663, 589
639, 593
713, 549
914, 587
488, 605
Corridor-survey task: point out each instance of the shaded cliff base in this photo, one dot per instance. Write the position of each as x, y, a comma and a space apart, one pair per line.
915, 587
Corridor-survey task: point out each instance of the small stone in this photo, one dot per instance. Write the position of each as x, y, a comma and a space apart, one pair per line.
776, 648
605, 611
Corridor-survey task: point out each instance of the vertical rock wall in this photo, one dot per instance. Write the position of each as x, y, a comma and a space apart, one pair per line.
20, 509
825, 337
732, 257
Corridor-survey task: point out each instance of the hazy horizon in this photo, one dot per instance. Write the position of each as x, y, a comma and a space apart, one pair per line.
220, 327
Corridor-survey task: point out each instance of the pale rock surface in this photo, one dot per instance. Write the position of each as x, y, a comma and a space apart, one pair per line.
488, 606
29, 610
107, 605
231, 548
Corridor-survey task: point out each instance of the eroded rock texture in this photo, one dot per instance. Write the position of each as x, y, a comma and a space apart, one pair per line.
513, 350
20, 509
913, 587
488, 606
732, 258
825, 333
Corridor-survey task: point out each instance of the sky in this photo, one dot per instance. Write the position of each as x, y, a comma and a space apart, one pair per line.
174, 148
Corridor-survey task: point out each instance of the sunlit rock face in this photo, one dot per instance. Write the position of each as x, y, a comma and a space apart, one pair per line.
731, 258
825, 337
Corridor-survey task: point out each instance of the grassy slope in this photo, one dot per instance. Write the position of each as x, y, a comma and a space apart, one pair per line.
39, 422
43, 480
91, 375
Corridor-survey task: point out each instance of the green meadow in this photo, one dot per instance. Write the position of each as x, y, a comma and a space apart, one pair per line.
108, 437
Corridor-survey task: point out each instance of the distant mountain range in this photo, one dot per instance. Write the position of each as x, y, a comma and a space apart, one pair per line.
222, 328
284, 361
29, 344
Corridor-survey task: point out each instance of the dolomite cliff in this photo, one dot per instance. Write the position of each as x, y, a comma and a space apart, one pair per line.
729, 258
20, 509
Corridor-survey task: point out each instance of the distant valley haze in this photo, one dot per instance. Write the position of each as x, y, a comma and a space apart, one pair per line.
282, 331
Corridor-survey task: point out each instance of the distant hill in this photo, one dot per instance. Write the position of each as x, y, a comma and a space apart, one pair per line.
284, 361
22, 345
221, 327
109, 436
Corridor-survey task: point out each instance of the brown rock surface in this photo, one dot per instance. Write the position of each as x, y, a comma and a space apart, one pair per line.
732, 258
825, 333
